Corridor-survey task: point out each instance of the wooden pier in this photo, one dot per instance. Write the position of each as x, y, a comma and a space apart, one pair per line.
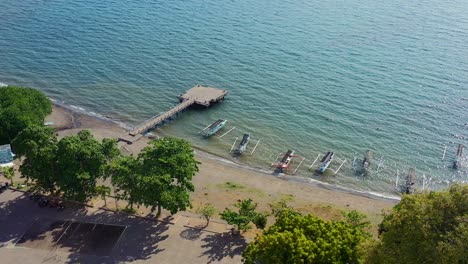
200, 95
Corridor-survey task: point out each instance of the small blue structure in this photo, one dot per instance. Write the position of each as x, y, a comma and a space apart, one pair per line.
6, 156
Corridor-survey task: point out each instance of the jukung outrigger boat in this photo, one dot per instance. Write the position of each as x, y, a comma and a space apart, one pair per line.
286, 161
458, 160
243, 144
325, 162
213, 128
367, 160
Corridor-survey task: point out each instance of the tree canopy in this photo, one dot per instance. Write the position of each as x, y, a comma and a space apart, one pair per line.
295, 238
19, 108
69, 167
426, 228
246, 214
159, 177
38, 146
80, 161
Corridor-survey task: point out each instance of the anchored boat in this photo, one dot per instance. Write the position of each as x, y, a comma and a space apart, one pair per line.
367, 160
243, 144
325, 162
410, 181
285, 162
457, 162
214, 128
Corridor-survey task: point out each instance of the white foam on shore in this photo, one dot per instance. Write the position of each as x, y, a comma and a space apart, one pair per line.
82, 111
3, 84
321, 184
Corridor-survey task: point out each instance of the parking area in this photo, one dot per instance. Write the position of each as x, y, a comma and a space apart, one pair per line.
81, 237
33, 234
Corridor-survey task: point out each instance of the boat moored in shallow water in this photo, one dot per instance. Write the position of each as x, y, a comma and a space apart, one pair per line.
243, 144
367, 160
214, 128
325, 162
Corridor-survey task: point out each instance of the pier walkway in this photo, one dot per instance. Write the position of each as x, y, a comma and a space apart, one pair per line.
199, 95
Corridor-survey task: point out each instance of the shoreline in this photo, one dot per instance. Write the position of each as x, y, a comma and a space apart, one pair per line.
222, 182
77, 112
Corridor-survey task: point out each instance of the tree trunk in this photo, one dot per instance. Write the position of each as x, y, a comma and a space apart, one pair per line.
158, 214
105, 202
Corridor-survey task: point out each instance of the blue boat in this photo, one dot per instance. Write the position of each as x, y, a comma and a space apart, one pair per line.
214, 128
325, 162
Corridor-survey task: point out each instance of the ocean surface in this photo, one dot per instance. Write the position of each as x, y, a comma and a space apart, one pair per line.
313, 76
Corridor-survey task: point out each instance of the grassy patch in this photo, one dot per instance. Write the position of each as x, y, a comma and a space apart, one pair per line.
233, 186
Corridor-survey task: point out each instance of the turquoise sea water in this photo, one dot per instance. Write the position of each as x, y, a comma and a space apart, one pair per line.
347, 76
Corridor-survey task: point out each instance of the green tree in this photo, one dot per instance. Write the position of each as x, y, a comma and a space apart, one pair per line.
357, 220
19, 108
281, 207
125, 177
294, 238
426, 228
38, 146
246, 214
9, 173
207, 211
159, 177
103, 191
81, 160
167, 168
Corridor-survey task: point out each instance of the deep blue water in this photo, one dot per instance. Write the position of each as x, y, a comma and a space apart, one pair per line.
347, 76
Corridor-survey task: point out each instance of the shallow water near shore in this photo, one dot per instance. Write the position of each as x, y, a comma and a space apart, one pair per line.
311, 76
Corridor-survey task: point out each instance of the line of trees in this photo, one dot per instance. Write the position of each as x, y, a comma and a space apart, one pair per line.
159, 177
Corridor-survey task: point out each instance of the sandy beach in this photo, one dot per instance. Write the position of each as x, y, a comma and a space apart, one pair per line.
221, 183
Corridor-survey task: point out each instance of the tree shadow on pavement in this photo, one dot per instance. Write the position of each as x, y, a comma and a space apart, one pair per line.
139, 240
126, 238
222, 245
191, 233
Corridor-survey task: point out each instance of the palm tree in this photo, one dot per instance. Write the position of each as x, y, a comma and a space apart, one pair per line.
9, 173
103, 191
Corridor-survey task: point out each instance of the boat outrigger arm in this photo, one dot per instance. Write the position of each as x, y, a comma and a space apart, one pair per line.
243, 144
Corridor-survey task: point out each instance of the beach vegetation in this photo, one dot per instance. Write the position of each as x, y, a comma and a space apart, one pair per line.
358, 220
81, 160
9, 173
160, 176
244, 215
281, 207
425, 228
19, 108
296, 238
37, 145
206, 211
103, 191
69, 167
